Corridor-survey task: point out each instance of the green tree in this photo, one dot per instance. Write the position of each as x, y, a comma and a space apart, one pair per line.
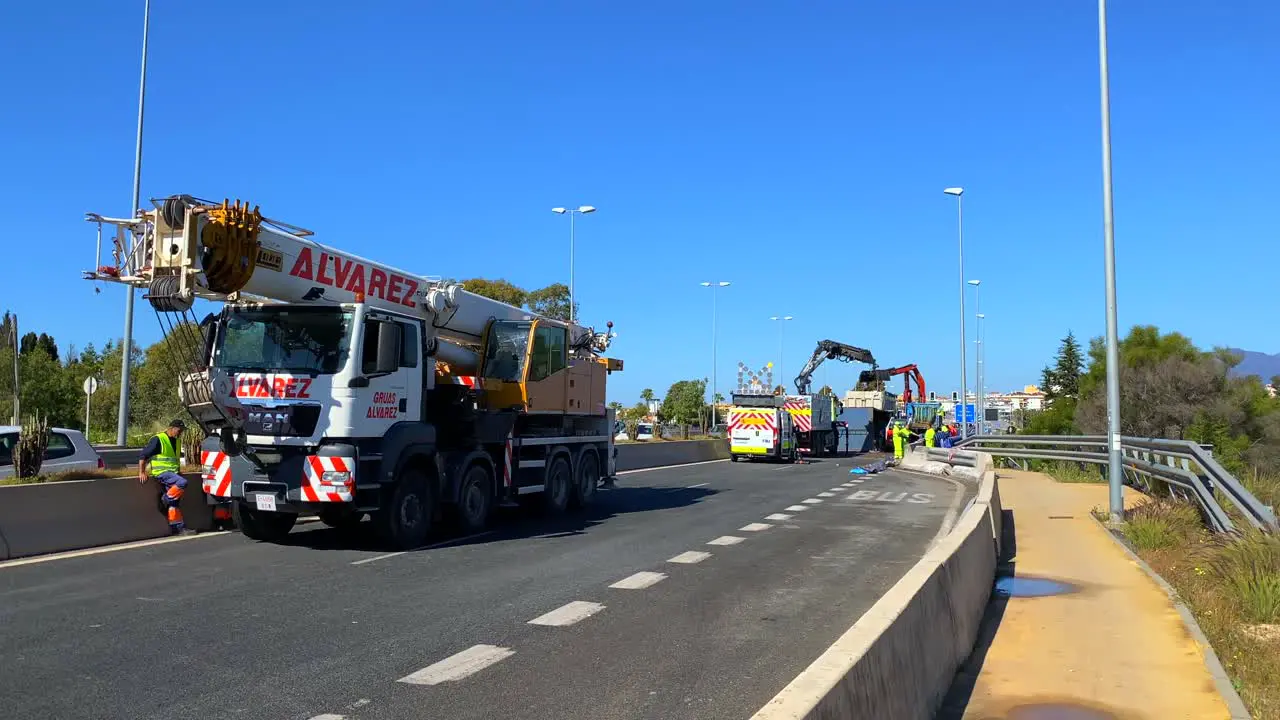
155, 382
500, 290
1062, 380
826, 390
647, 395
685, 402
551, 301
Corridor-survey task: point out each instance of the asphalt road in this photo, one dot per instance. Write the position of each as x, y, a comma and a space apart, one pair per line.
222, 627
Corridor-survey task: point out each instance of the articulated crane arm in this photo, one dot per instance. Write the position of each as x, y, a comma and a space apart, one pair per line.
831, 350
868, 378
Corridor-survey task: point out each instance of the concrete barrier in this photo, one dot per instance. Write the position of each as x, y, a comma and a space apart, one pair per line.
56, 517
641, 456
900, 658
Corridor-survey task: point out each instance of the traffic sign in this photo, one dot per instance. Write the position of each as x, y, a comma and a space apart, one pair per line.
90, 385
966, 413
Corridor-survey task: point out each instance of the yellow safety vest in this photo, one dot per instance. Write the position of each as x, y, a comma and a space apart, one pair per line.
167, 460
928, 437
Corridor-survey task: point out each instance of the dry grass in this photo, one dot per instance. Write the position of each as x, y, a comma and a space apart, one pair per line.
1069, 472
1231, 584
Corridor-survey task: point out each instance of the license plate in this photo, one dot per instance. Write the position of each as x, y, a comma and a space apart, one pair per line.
265, 502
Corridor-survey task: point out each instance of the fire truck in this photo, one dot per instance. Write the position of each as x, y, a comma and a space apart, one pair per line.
341, 386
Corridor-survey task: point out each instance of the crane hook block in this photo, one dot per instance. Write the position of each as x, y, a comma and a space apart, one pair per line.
230, 239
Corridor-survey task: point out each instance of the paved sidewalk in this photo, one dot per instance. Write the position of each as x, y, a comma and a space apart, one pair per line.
1110, 644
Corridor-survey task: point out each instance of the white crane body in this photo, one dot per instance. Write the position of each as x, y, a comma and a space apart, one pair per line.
318, 380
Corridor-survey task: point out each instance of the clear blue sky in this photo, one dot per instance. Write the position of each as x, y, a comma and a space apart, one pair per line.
798, 150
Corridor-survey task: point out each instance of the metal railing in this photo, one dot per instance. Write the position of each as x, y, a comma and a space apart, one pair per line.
1184, 468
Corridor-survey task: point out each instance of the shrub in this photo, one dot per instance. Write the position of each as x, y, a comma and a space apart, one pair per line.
1250, 567
1160, 524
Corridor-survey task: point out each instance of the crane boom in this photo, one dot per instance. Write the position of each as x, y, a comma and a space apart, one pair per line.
187, 249
867, 378
831, 350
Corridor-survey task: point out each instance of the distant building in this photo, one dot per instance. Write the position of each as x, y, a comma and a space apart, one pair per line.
1271, 390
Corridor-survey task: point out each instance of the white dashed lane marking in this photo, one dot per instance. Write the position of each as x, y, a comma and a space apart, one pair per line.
778, 516
456, 667
838, 488
811, 501
329, 716
797, 508
568, 614
726, 540
755, 527
639, 581
690, 557
827, 494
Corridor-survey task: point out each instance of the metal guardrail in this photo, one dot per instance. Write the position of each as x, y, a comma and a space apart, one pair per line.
1186, 469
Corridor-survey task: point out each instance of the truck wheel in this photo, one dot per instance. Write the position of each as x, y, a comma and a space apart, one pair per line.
584, 491
733, 458
406, 518
475, 499
262, 526
341, 518
555, 496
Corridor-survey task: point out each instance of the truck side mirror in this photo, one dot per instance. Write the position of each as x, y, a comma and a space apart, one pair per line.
388, 357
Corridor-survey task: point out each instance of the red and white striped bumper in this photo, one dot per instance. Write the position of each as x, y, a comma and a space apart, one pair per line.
328, 479
215, 473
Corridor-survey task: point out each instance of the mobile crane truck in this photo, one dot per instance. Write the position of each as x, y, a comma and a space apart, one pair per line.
342, 386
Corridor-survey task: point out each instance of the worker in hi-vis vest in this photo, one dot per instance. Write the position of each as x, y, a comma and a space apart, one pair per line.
899, 439
929, 437
161, 460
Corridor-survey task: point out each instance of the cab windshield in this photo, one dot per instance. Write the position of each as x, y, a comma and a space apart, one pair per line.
298, 340
505, 350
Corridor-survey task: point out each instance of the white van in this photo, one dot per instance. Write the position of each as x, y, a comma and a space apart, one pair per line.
761, 432
644, 431
68, 450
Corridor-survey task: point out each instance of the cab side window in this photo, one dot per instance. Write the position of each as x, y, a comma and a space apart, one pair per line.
408, 345
548, 356
7, 442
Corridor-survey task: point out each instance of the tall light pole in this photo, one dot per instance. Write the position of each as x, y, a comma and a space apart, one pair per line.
713, 286
782, 325
958, 192
122, 420
580, 210
977, 356
1115, 471
982, 373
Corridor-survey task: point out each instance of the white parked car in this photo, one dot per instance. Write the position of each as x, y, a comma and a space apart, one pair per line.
68, 450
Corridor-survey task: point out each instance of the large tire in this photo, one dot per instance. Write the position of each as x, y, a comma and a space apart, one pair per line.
262, 526
733, 458
555, 496
404, 521
584, 490
341, 518
475, 499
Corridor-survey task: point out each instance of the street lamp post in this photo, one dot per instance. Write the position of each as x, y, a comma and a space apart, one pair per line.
958, 192
580, 210
782, 324
1115, 472
977, 358
982, 373
122, 420
713, 286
